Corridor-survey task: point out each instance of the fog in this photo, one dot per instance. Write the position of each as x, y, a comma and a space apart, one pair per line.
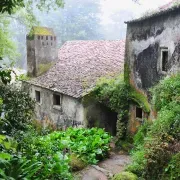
86, 20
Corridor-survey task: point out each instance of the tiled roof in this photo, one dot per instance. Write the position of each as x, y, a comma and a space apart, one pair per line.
38, 30
171, 6
81, 64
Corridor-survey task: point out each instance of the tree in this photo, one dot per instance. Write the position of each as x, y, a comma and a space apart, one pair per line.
78, 20
21, 10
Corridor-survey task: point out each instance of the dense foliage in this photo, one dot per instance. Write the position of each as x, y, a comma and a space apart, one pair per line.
116, 94
157, 145
26, 153
49, 156
16, 110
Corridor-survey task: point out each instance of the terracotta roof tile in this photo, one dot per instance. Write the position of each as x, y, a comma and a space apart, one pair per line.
81, 64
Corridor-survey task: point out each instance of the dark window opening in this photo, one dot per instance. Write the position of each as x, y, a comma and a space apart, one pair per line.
139, 112
46, 37
164, 60
38, 37
38, 96
43, 43
56, 99
51, 38
41, 37
54, 38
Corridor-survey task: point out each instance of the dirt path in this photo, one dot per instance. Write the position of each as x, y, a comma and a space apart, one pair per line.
105, 169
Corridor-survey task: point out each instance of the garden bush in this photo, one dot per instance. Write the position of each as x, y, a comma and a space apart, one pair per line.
56, 150
157, 144
16, 110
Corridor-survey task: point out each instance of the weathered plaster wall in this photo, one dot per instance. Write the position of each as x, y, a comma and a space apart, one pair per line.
143, 52
143, 56
69, 113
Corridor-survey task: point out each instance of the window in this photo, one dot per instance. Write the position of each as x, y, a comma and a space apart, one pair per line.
47, 43
38, 37
139, 113
41, 37
46, 37
56, 100
38, 96
51, 44
43, 43
51, 38
54, 38
164, 59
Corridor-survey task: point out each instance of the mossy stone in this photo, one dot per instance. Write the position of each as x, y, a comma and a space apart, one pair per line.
125, 176
76, 163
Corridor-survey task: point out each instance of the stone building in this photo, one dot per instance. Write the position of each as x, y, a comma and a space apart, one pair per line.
152, 52
61, 93
41, 50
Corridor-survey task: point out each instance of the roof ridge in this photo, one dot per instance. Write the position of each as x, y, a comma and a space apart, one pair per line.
161, 10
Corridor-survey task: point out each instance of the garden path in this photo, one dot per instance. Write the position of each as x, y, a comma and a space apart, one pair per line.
105, 169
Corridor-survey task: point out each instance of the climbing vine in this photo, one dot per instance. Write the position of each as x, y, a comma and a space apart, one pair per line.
117, 93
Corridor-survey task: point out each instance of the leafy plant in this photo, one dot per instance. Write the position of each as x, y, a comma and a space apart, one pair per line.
16, 111
156, 146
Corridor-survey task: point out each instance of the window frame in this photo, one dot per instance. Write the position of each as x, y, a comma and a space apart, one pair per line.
163, 49
39, 99
138, 108
54, 99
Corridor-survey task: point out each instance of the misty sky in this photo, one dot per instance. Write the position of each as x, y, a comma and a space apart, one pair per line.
111, 6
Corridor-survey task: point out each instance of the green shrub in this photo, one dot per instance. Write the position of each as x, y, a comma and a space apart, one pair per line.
56, 150
138, 162
16, 111
172, 171
154, 144
141, 134
125, 176
167, 91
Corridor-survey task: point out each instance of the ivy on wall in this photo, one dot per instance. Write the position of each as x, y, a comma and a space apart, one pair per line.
117, 93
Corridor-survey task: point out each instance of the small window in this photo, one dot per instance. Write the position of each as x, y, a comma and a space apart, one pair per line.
56, 99
38, 96
47, 43
51, 38
41, 37
164, 59
46, 37
55, 38
139, 113
38, 37
43, 43
51, 44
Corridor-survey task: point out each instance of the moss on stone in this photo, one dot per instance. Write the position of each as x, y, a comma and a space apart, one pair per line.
125, 176
76, 163
44, 68
42, 31
126, 74
140, 99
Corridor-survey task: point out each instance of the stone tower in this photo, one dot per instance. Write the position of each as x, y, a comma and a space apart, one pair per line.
41, 50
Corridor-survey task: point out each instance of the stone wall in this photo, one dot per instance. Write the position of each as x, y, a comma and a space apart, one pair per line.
41, 50
70, 112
